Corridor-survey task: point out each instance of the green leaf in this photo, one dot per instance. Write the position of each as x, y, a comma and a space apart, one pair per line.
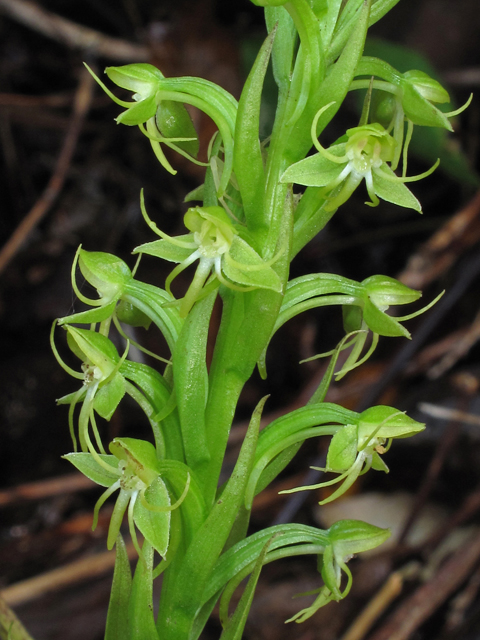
233, 630
154, 526
191, 381
117, 617
393, 190
141, 621
284, 45
108, 396
87, 464
247, 159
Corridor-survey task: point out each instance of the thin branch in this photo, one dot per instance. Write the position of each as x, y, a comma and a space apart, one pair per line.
70, 483
81, 106
71, 34
416, 609
79, 571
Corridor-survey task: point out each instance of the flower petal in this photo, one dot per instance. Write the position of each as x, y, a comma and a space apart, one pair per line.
394, 191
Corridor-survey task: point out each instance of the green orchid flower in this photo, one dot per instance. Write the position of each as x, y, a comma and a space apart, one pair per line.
355, 448
364, 155
345, 538
161, 121
135, 471
103, 385
224, 257
409, 97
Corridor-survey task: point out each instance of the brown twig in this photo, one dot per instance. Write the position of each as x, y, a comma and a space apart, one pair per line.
416, 609
438, 254
73, 573
45, 488
380, 602
444, 446
81, 105
71, 34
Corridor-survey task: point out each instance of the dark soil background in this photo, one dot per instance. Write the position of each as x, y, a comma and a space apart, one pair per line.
70, 171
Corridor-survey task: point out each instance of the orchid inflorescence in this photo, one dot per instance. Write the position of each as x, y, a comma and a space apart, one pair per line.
244, 226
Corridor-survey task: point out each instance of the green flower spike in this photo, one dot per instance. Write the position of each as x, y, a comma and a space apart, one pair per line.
346, 538
364, 156
133, 469
224, 257
356, 448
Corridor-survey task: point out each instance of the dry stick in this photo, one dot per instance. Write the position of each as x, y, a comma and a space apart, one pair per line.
10, 626
444, 447
469, 507
83, 97
73, 35
441, 251
46, 488
73, 573
380, 602
417, 609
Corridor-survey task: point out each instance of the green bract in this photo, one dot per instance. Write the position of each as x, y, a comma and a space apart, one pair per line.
224, 257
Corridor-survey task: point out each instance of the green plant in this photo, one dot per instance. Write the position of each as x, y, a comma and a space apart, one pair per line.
249, 226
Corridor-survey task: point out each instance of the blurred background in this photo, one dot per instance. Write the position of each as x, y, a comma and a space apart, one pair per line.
70, 176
